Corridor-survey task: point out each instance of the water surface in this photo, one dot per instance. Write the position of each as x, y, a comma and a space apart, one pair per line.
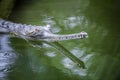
100, 52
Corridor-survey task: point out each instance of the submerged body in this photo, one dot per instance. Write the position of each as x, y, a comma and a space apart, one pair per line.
37, 32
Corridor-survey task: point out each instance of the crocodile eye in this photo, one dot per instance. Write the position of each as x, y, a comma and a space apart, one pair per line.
37, 30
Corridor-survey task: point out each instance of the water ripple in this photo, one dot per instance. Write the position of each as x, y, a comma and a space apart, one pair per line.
7, 57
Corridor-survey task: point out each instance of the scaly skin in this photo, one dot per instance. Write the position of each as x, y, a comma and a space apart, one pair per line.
33, 32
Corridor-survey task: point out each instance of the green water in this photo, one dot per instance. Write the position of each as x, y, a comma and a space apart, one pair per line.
100, 52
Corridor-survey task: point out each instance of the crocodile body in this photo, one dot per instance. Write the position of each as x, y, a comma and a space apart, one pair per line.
37, 32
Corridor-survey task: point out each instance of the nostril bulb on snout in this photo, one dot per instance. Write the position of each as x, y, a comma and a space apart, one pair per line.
84, 34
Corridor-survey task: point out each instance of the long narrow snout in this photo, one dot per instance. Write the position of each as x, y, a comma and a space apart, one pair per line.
56, 37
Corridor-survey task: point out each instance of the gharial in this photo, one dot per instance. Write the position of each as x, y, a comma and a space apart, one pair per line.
33, 32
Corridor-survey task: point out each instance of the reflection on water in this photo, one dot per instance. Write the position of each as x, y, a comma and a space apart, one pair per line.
7, 57
51, 54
